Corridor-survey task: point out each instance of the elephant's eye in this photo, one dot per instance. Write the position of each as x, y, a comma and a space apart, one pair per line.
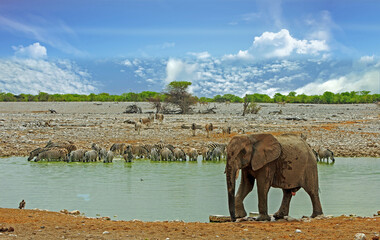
242, 153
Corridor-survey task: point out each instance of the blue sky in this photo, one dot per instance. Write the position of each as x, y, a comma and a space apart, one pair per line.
220, 46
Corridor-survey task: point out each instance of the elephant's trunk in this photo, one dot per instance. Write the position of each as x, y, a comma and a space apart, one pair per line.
231, 178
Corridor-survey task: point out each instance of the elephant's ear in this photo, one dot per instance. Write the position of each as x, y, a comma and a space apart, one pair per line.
266, 149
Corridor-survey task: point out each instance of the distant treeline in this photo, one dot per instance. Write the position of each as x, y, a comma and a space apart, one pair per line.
145, 96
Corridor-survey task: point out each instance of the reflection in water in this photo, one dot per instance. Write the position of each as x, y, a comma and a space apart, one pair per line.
190, 191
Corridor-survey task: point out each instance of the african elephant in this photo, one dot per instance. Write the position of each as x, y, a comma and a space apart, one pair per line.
285, 161
166, 154
77, 155
179, 154
327, 154
53, 154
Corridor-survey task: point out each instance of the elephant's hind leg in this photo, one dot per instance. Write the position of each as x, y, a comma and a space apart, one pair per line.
284, 208
317, 207
246, 185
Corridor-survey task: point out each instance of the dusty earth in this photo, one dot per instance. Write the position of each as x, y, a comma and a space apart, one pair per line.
34, 224
348, 130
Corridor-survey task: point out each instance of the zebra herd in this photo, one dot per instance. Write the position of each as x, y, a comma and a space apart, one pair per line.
68, 152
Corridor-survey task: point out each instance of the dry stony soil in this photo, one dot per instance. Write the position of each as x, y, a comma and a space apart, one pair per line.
348, 130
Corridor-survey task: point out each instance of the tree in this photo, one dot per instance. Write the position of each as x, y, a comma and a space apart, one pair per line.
249, 106
178, 95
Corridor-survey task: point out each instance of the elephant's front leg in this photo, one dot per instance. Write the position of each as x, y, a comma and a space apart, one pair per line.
246, 185
264, 181
284, 208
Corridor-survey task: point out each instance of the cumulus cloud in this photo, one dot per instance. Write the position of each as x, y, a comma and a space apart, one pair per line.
34, 50
271, 45
368, 80
282, 44
178, 70
367, 59
30, 72
37, 75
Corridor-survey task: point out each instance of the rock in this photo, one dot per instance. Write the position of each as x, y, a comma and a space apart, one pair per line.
360, 236
298, 231
106, 232
291, 219
219, 218
75, 212
64, 211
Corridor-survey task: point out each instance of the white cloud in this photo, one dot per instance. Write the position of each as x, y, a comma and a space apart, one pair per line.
34, 50
127, 63
367, 59
35, 74
178, 70
200, 55
40, 32
369, 81
282, 44
279, 45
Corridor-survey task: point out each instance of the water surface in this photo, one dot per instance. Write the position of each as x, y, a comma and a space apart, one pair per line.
189, 191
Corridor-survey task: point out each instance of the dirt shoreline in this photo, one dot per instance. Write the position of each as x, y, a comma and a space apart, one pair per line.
349, 130
36, 224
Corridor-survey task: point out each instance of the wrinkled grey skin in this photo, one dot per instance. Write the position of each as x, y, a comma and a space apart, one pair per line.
179, 154
327, 154
166, 154
91, 156
215, 154
154, 154
102, 154
53, 154
284, 161
109, 157
77, 155
193, 154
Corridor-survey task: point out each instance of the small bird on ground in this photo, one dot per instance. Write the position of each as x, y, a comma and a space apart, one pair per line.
22, 204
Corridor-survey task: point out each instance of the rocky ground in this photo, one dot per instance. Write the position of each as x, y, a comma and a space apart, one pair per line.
34, 224
348, 130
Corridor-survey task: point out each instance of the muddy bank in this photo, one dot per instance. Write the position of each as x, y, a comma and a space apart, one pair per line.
348, 130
